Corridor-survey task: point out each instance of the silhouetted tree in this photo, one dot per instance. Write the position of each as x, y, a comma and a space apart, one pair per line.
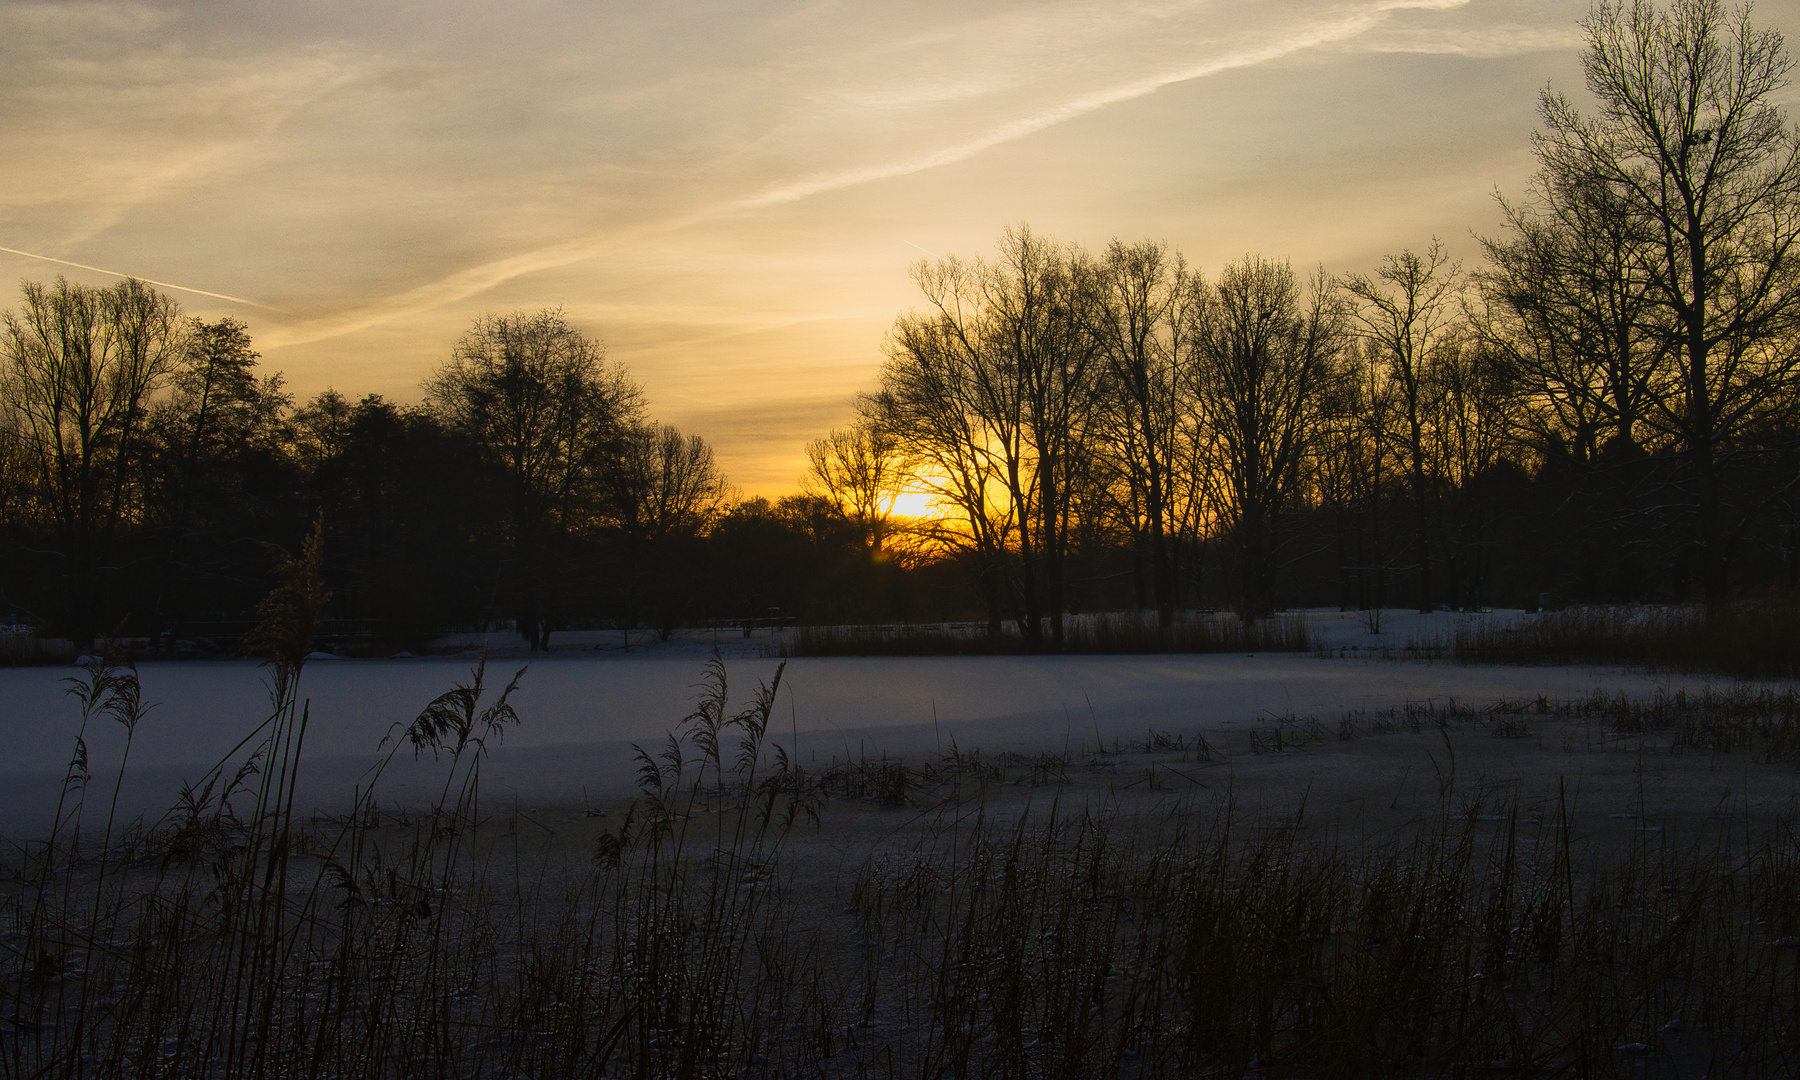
80, 366
1567, 302
857, 470
1264, 358
411, 516
956, 422
1048, 362
1474, 424
1139, 310
1690, 138
548, 413
1406, 313
667, 492
220, 471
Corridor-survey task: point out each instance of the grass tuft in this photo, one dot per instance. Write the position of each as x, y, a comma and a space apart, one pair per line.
1074, 940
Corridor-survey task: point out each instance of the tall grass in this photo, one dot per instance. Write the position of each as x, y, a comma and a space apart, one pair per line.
234, 939
1120, 632
1751, 639
1761, 720
702, 935
1204, 945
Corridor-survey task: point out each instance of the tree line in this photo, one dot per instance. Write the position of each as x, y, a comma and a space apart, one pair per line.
1602, 408
148, 465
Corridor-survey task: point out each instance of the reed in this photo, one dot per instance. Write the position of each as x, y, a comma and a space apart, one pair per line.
708, 931
1749, 638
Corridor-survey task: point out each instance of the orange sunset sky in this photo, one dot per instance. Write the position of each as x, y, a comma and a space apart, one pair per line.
730, 194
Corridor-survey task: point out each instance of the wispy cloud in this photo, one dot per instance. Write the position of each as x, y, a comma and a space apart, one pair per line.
1324, 33
1488, 41
267, 99
1335, 26
727, 192
444, 291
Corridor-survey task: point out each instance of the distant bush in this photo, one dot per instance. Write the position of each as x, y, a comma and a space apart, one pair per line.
1112, 633
1751, 639
21, 647
1131, 633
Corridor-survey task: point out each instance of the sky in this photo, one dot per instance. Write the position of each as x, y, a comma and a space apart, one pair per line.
731, 196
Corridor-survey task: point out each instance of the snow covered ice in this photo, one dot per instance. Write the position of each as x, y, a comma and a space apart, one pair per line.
582, 708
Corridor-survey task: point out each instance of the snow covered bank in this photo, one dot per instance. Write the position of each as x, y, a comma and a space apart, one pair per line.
581, 713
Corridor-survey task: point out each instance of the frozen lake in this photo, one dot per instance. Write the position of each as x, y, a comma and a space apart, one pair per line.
581, 710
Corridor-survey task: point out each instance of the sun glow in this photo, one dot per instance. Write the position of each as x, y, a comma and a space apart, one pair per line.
916, 504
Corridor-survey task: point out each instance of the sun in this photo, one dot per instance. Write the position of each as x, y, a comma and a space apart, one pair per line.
916, 504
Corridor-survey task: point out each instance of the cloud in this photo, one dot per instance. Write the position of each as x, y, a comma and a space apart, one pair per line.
264, 100
725, 192
1334, 25
444, 291
1488, 41
1327, 32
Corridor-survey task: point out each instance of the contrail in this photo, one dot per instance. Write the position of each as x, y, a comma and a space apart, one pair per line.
1342, 29
477, 279
145, 280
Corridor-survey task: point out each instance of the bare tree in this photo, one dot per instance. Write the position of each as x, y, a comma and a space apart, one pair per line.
989, 393
1138, 296
856, 470
954, 446
1407, 312
1567, 302
667, 490
1264, 361
549, 413
1690, 137
1044, 353
81, 364
1347, 476
1474, 422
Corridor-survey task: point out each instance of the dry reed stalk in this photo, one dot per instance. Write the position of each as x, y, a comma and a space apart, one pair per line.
234, 939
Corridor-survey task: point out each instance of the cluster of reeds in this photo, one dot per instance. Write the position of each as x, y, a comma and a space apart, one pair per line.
234, 940
1762, 720
237, 939
1116, 633
21, 647
1748, 638
694, 940
1202, 945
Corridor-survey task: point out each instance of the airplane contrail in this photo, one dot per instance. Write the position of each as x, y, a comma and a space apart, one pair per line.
145, 280
1349, 26
477, 279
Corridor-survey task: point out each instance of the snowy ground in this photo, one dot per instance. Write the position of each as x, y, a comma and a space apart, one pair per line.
583, 707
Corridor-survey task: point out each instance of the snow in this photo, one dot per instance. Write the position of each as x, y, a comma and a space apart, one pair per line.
583, 706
